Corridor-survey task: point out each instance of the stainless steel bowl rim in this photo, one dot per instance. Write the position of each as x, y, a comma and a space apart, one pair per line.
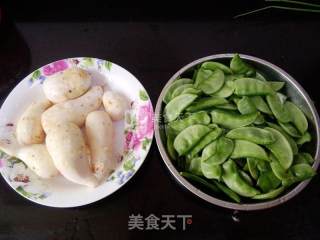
217, 201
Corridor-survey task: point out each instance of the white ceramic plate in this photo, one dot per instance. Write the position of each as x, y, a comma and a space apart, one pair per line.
133, 135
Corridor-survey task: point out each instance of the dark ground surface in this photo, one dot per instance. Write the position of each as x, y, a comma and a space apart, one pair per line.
153, 51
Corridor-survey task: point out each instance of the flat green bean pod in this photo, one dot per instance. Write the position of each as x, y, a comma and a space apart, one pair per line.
246, 106
251, 87
290, 129
297, 117
232, 120
167, 97
246, 177
211, 171
216, 65
170, 138
209, 150
209, 81
195, 166
306, 137
263, 166
206, 103
269, 195
178, 91
300, 158
223, 149
303, 171
200, 180
252, 164
259, 120
278, 170
267, 181
210, 137
280, 148
191, 90
252, 134
235, 182
244, 149
227, 106
277, 107
292, 143
282, 97
308, 157
174, 108
189, 137
196, 118
239, 66
226, 90
233, 77
231, 194
276, 86
261, 105
260, 76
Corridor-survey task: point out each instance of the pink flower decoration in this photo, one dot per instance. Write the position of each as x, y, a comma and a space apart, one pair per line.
54, 67
131, 141
1, 163
145, 121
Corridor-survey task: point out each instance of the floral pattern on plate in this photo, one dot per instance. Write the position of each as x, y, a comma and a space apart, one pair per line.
137, 134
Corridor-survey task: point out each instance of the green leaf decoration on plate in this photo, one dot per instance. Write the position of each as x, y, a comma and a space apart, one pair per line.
128, 165
27, 194
21, 190
143, 95
12, 161
145, 143
35, 75
87, 62
108, 65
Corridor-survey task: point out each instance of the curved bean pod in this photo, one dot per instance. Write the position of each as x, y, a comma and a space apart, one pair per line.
303, 171
244, 149
231, 194
292, 143
238, 66
216, 65
168, 95
261, 105
209, 81
195, 166
272, 194
226, 90
200, 180
267, 181
298, 118
290, 129
206, 103
210, 137
232, 120
251, 87
196, 118
246, 106
280, 148
178, 91
235, 182
177, 105
277, 107
223, 149
252, 134
189, 137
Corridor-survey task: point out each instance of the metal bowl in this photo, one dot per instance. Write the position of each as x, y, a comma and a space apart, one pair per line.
295, 92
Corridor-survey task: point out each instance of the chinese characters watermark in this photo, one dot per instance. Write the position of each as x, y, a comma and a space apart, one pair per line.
152, 222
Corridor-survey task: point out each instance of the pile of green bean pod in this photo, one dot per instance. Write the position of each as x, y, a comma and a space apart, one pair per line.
232, 131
